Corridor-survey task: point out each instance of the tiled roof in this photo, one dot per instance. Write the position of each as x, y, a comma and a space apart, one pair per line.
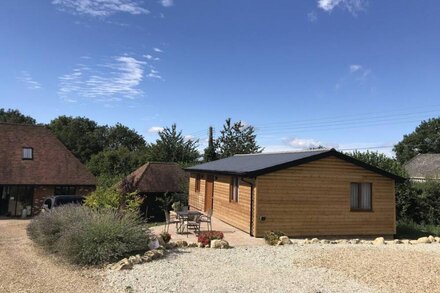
424, 166
52, 163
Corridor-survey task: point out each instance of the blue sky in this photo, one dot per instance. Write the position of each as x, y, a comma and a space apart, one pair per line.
340, 73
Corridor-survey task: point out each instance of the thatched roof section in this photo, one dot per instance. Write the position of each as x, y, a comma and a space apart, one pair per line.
158, 177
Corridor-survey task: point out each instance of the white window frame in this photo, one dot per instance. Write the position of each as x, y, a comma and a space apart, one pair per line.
235, 189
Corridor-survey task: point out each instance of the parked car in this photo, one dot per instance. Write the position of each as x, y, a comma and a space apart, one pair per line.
59, 200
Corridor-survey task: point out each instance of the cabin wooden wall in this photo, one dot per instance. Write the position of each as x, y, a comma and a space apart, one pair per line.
236, 214
313, 199
196, 200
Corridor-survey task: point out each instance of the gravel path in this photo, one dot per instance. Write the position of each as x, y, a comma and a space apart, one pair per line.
309, 268
25, 269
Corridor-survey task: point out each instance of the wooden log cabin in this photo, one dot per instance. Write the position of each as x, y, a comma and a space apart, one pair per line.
308, 193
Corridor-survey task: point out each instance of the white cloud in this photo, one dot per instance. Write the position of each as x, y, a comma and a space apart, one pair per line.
304, 143
30, 83
353, 6
148, 56
154, 74
158, 50
101, 8
167, 3
312, 17
111, 81
155, 129
188, 137
355, 67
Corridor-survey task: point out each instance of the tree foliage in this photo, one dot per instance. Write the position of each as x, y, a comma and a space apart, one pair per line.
15, 116
82, 136
424, 139
117, 162
121, 136
380, 161
173, 147
237, 138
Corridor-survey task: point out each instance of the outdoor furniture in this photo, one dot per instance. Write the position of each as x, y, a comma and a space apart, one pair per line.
169, 221
185, 209
189, 220
207, 219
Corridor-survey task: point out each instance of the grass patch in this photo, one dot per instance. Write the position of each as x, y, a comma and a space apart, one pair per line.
410, 230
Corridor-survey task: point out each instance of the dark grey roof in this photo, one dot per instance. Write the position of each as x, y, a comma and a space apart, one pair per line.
424, 166
257, 164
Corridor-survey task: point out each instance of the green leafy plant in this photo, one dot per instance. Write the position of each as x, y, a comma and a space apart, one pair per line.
272, 237
176, 206
88, 236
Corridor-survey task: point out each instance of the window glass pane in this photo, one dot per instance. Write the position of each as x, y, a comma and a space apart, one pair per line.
365, 196
354, 195
27, 153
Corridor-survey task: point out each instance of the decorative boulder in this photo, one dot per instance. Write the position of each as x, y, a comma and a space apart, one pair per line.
224, 244
285, 240
314, 240
192, 244
200, 245
355, 241
431, 238
325, 241
216, 243
135, 259
123, 264
437, 239
181, 243
170, 245
397, 241
424, 240
405, 241
379, 241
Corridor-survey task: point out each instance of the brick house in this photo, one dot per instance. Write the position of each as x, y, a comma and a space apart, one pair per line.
35, 165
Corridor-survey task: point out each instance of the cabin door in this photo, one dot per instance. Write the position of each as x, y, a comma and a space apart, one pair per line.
209, 192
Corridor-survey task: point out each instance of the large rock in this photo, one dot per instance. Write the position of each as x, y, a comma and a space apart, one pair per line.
200, 245
431, 238
135, 259
424, 240
216, 243
437, 239
224, 244
355, 241
285, 240
405, 241
192, 244
397, 241
325, 241
123, 264
181, 243
314, 241
379, 241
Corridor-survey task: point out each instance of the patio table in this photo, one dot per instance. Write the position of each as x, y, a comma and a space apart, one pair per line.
184, 216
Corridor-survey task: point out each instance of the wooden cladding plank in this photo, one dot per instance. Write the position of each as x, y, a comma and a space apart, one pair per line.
314, 199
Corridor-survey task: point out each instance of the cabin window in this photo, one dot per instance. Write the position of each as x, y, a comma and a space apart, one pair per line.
197, 185
27, 154
235, 183
361, 196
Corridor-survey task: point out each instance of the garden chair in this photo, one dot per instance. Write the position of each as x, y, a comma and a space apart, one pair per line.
207, 219
193, 224
169, 221
185, 208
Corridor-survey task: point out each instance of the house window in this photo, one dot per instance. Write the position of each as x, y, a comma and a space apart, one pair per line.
361, 196
27, 154
197, 185
65, 190
235, 183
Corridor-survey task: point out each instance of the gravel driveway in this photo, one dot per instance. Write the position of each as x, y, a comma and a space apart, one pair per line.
25, 269
294, 268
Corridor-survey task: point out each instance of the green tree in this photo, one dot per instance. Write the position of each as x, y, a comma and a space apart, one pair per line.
117, 162
237, 138
424, 139
380, 161
210, 153
173, 147
82, 136
15, 116
121, 136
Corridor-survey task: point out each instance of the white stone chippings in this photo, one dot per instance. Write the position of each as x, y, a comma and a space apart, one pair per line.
255, 269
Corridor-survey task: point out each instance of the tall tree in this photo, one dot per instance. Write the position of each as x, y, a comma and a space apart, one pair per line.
15, 116
237, 138
424, 139
121, 136
82, 136
173, 147
210, 153
380, 161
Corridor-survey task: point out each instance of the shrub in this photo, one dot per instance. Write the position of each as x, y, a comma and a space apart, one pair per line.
165, 236
411, 230
205, 237
272, 237
110, 198
87, 236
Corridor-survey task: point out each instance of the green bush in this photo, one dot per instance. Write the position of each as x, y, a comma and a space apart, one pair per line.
88, 236
272, 237
110, 198
411, 230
